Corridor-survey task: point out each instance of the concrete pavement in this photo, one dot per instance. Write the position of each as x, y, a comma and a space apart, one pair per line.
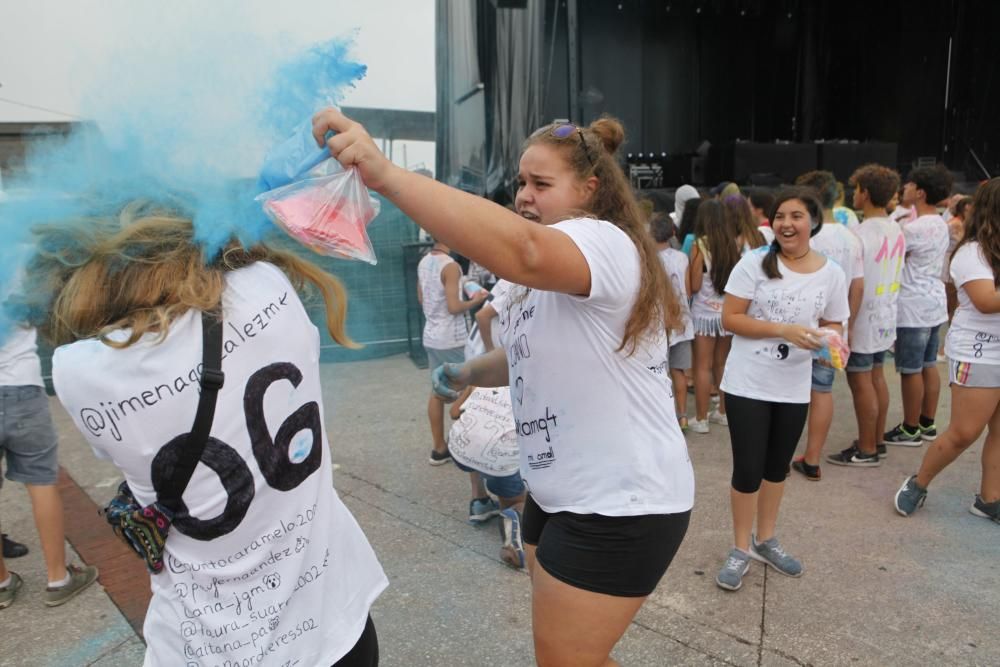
878, 589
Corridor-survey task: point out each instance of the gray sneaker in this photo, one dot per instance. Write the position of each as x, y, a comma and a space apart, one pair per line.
771, 553
910, 496
985, 509
730, 577
9, 592
79, 579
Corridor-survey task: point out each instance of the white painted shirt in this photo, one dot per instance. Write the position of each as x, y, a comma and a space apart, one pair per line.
772, 369
596, 427
675, 263
269, 567
883, 251
922, 299
442, 330
973, 336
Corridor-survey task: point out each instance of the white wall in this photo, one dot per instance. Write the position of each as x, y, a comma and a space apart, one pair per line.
49, 49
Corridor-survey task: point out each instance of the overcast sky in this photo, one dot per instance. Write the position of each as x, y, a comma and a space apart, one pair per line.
44, 42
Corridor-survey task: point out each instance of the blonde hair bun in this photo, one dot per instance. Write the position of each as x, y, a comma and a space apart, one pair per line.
610, 131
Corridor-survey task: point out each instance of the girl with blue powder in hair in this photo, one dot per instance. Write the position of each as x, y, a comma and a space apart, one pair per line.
264, 564
584, 351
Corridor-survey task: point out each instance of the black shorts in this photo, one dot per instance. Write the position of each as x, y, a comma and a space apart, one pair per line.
625, 556
365, 651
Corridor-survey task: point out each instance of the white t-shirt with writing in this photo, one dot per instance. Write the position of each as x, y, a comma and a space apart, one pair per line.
269, 567
883, 251
596, 428
474, 345
922, 300
675, 263
442, 330
840, 244
772, 369
973, 336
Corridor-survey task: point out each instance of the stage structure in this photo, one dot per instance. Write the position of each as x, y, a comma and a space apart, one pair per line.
748, 90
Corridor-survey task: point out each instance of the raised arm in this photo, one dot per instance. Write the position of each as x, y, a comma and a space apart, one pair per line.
500, 240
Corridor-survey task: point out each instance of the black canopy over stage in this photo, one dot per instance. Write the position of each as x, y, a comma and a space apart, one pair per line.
870, 80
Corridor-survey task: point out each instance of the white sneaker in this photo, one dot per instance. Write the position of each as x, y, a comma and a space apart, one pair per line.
698, 425
717, 417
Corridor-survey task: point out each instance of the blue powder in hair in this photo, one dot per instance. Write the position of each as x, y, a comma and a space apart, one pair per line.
180, 121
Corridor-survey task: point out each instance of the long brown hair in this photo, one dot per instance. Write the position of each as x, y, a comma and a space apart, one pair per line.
739, 209
719, 242
140, 271
983, 225
590, 151
813, 206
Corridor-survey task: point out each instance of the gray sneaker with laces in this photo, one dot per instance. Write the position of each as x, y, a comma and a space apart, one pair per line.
771, 553
79, 579
910, 496
737, 563
985, 509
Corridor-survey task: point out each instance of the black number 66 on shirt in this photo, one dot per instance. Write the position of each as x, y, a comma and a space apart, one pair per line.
271, 455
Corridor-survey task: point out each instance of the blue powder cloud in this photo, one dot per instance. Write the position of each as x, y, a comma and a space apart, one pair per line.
181, 117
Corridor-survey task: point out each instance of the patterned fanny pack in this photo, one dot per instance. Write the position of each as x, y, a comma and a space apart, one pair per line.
145, 529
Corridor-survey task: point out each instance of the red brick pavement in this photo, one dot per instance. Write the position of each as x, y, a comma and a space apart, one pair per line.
122, 573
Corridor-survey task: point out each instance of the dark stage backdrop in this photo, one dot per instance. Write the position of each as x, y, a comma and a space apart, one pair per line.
766, 70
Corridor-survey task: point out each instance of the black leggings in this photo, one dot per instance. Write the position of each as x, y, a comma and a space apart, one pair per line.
365, 652
764, 435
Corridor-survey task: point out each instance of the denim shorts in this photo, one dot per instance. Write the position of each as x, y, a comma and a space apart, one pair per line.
680, 356
27, 437
822, 380
510, 486
862, 362
435, 358
916, 349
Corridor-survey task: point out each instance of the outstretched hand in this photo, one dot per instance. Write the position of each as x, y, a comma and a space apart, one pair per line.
352, 147
448, 381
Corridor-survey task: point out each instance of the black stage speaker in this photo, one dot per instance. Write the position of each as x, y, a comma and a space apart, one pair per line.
781, 161
843, 158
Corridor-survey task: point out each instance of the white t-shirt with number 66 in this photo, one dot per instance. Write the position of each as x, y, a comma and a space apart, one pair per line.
268, 566
973, 336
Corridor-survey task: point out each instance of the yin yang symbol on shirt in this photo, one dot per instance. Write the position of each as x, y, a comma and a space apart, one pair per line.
779, 351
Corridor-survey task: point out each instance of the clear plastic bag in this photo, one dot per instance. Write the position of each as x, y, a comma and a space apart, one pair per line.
315, 200
834, 351
329, 214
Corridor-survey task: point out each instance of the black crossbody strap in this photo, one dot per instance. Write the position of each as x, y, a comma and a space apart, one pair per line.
212, 379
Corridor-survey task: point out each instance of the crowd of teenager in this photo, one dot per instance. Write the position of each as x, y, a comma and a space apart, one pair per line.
569, 393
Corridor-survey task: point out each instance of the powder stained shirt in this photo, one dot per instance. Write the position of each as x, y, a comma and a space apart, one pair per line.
772, 369
596, 427
922, 299
973, 336
675, 263
883, 251
442, 329
268, 566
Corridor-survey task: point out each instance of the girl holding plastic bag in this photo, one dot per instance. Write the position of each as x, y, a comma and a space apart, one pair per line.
585, 355
775, 300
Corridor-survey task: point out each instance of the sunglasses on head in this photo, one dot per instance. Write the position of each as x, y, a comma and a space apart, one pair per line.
563, 130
